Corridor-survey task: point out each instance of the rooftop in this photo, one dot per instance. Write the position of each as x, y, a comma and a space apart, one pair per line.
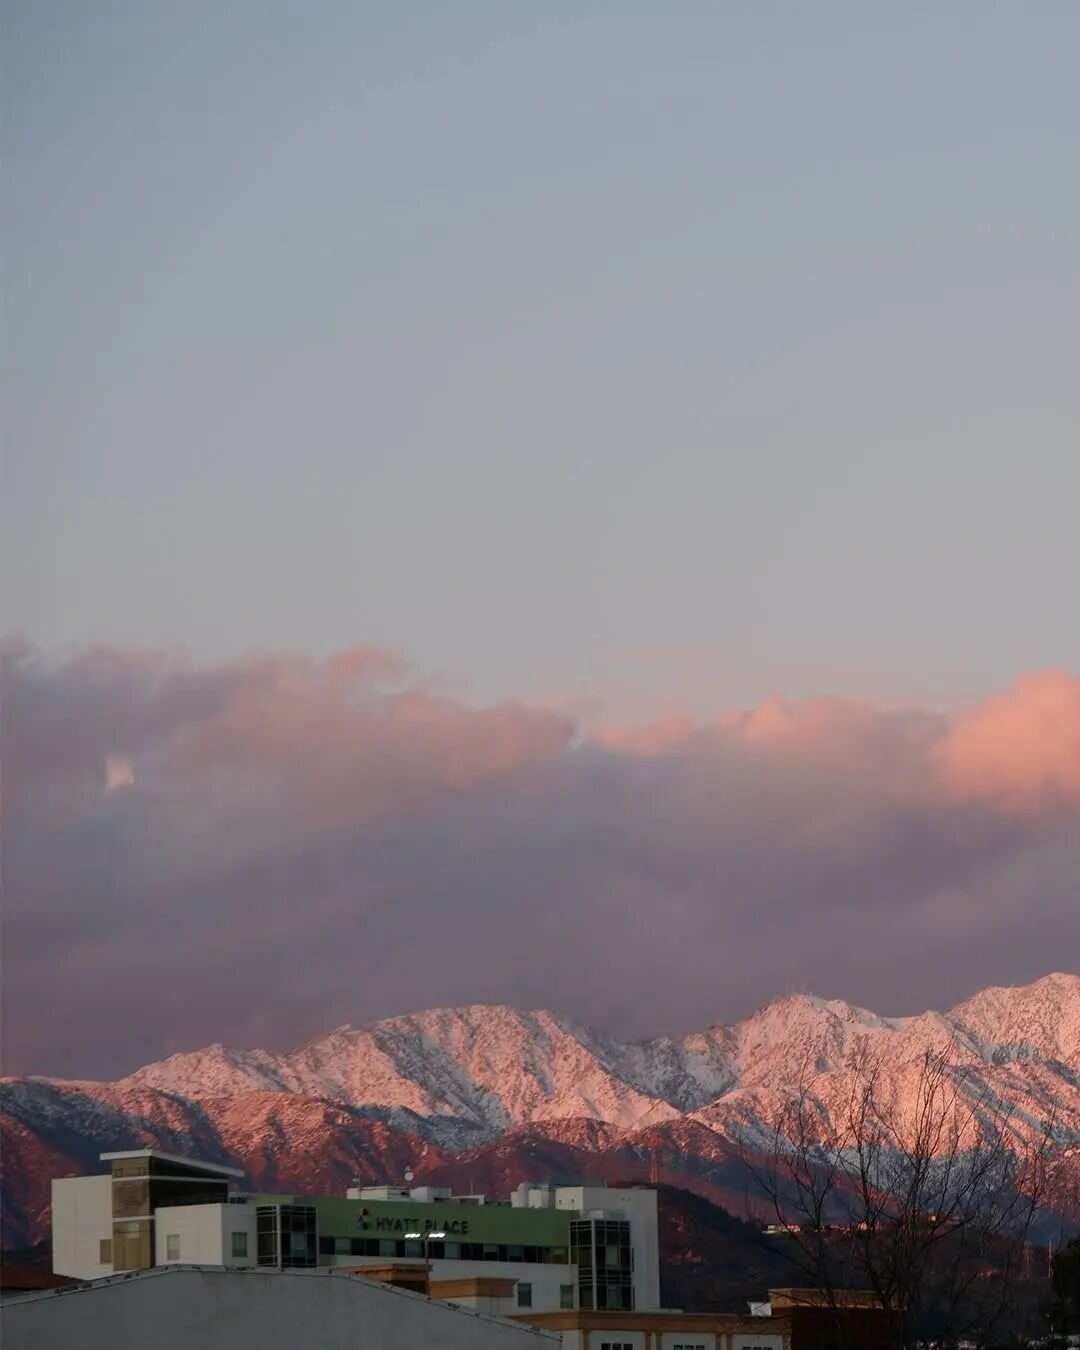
178, 1273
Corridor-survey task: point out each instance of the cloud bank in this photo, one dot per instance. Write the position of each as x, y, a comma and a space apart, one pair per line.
258, 851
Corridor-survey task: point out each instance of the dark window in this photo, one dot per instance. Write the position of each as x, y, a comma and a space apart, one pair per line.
266, 1235
600, 1248
326, 1246
240, 1244
105, 1251
524, 1294
566, 1295
286, 1235
186, 1190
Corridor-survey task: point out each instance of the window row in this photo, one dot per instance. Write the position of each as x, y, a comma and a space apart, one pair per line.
444, 1251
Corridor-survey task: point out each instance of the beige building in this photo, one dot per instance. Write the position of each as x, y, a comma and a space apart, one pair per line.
666, 1331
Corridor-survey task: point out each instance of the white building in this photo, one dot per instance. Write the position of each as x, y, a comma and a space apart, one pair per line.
546, 1249
603, 1219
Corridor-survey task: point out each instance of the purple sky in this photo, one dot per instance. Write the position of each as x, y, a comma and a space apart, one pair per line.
259, 851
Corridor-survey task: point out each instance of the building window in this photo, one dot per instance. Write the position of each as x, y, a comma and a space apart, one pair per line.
566, 1295
105, 1252
602, 1252
172, 1246
131, 1246
524, 1294
287, 1235
239, 1244
616, 1345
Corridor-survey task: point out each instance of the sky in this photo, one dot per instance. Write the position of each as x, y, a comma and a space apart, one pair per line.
436, 433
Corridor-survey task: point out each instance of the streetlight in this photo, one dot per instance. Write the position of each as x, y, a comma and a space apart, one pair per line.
427, 1238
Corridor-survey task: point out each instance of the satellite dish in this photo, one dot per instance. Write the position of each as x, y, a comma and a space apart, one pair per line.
408, 1174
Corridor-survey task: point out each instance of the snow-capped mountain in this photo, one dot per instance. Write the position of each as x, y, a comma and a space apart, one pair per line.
487, 1084
493, 1067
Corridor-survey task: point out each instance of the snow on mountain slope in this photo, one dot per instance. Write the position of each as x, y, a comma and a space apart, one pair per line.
536, 1087
492, 1067
213, 1072
1036, 1021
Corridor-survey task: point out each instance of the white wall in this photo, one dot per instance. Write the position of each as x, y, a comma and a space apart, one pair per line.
238, 1219
742, 1341
638, 1205
81, 1217
172, 1308
205, 1233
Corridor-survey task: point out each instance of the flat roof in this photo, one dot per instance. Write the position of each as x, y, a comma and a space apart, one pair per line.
220, 1168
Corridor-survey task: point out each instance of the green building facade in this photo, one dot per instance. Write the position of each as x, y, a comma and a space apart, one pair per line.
331, 1228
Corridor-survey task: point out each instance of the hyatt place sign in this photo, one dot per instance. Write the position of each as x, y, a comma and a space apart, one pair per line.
459, 1227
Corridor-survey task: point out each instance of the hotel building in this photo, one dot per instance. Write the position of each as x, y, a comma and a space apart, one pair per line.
545, 1249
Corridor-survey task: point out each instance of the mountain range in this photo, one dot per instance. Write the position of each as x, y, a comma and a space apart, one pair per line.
484, 1096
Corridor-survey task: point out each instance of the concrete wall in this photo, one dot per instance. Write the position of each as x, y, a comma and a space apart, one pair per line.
81, 1217
205, 1233
175, 1308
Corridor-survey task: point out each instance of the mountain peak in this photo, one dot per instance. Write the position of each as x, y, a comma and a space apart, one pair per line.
369, 1100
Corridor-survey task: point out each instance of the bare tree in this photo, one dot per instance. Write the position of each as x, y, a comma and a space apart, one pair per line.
925, 1198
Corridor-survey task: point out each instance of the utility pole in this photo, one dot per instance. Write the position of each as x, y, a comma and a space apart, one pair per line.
426, 1239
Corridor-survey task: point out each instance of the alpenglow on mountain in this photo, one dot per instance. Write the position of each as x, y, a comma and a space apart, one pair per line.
492, 1092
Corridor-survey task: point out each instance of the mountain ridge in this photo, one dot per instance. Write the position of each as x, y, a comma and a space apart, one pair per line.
462, 1057
508, 1089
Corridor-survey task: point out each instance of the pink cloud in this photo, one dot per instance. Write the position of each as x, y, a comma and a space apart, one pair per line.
337, 743
341, 834
1019, 749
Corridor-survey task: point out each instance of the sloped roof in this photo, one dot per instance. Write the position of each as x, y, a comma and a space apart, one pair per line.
362, 1288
